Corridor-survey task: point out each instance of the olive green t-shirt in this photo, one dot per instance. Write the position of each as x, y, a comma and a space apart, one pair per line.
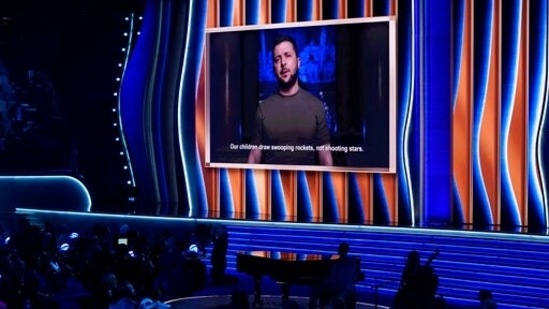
291, 127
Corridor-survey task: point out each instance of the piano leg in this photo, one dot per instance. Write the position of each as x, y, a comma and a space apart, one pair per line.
257, 292
285, 287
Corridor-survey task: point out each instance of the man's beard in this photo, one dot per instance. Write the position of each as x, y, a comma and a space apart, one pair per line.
286, 85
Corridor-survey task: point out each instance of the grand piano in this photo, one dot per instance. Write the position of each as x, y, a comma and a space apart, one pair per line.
286, 268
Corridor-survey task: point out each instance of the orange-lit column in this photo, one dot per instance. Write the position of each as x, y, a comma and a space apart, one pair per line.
211, 176
369, 8
339, 179
314, 179
517, 143
317, 10
237, 176
288, 178
390, 181
262, 178
239, 13
462, 122
490, 123
393, 8
265, 12
291, 11
343, 12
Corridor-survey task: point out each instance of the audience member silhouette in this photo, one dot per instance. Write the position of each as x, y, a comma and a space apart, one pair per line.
127, 298
219, 257
486, 300
418, 285
337, 290
171, 270
412, 266
106, 290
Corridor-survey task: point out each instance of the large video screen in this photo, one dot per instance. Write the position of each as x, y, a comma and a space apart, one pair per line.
317, 96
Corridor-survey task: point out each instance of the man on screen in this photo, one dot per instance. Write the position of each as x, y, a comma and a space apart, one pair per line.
290, 125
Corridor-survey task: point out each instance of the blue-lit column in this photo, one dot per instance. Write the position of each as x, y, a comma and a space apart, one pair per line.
435, 97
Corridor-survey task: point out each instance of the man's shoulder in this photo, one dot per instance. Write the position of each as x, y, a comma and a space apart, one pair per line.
272, 98
270, 103
306, 95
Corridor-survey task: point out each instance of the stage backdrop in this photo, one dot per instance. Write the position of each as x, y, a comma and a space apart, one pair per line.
472, 94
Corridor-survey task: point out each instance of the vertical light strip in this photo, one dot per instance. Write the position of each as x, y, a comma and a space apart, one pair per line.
544, 98
237, 176
289, 179
312, 192
389, 182
513, 121
485, 132
541, 123
408, 115
198, 15
210, 175
340, 179
364, 181
421, 89
525, 32
131, 20
187, 166
492, 121
207, 174
262, 178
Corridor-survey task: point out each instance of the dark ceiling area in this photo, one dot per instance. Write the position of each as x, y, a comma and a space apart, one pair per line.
58, 70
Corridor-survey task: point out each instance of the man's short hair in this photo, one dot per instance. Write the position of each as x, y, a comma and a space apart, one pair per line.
285, 38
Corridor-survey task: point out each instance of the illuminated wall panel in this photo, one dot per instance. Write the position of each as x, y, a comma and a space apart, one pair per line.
462, 117
538, 99
282, 200
435, 97
514, 104
471, 116
486, 113
489, 117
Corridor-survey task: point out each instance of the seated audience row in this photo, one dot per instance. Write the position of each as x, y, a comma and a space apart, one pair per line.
45, 267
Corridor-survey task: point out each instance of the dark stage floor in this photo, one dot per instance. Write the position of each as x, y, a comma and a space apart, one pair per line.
212, 296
